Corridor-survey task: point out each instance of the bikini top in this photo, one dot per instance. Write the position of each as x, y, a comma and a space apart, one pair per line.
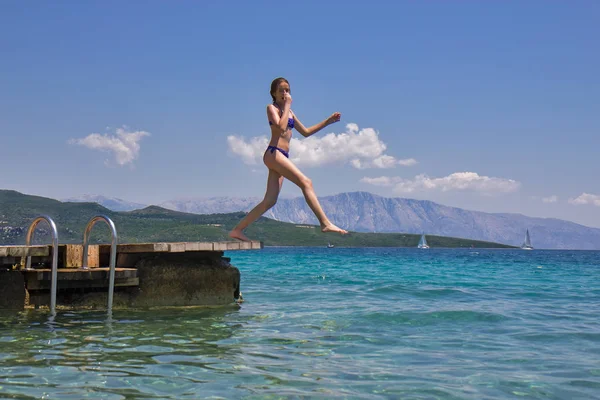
290, 120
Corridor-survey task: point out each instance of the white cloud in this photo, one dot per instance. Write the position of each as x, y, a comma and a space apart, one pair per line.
550, 199
407, 162
586, 198
361, 148
124, 145
468, 181
382, 180
383, 161
250, 152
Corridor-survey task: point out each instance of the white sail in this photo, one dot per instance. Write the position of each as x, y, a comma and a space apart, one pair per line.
527, 243
423, 243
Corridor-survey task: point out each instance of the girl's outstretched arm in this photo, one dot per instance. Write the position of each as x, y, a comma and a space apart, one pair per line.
306, 132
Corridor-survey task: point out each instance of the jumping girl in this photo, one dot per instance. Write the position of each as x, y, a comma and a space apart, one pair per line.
282, 120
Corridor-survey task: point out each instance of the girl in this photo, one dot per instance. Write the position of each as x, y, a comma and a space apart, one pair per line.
282, 120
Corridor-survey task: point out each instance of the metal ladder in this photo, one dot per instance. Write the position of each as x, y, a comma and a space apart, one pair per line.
54, 279
86, 238
113, 252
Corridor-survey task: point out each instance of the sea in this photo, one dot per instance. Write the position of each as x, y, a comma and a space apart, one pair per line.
334, 323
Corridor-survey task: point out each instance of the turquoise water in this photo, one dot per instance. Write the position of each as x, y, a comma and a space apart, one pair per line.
335, 323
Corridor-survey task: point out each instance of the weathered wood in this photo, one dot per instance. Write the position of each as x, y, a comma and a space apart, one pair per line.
143, 248
137, 248
176, 247
94, 256
24, 251
237, 245
183, 246
223, 246
127, 260
198, 246
73, 256
173, 274
245, 245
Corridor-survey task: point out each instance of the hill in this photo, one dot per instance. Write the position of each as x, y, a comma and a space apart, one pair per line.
157, 224
366, 212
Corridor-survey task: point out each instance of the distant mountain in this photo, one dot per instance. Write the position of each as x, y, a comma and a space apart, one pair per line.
157, 224
112, 203
366, 212
211, 205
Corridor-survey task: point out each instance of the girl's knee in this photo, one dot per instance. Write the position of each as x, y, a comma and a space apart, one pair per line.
306, 183
270, 202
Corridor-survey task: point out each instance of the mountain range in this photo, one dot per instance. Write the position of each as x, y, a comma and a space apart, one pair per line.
157, 224
366, 212
112, 203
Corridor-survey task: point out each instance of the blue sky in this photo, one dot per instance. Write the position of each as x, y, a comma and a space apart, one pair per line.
491, 106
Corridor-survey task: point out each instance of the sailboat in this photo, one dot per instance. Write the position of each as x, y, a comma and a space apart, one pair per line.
423, 243
527, 243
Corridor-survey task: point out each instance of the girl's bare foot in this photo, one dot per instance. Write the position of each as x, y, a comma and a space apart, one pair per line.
333, 228
239, 235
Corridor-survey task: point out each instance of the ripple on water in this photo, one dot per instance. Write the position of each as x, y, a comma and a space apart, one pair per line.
348, 323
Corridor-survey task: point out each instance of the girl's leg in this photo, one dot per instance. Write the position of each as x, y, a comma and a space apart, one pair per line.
286, 168
274, 182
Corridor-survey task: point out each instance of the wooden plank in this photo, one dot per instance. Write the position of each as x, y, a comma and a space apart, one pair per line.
37, 251
73, 256
127, 260
93, 256
238, 245
223, 246
24, 251
176, 247
198, 246
245, 245
142, 248
219, 246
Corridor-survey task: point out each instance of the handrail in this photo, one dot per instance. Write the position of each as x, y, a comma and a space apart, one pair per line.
113, 252
54, 278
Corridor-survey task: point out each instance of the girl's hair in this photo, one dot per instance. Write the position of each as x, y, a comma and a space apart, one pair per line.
275, 84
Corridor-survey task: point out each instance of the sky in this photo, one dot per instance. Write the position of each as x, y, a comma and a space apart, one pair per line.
484, 105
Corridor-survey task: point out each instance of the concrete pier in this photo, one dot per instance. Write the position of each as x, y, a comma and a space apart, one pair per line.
147, 275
